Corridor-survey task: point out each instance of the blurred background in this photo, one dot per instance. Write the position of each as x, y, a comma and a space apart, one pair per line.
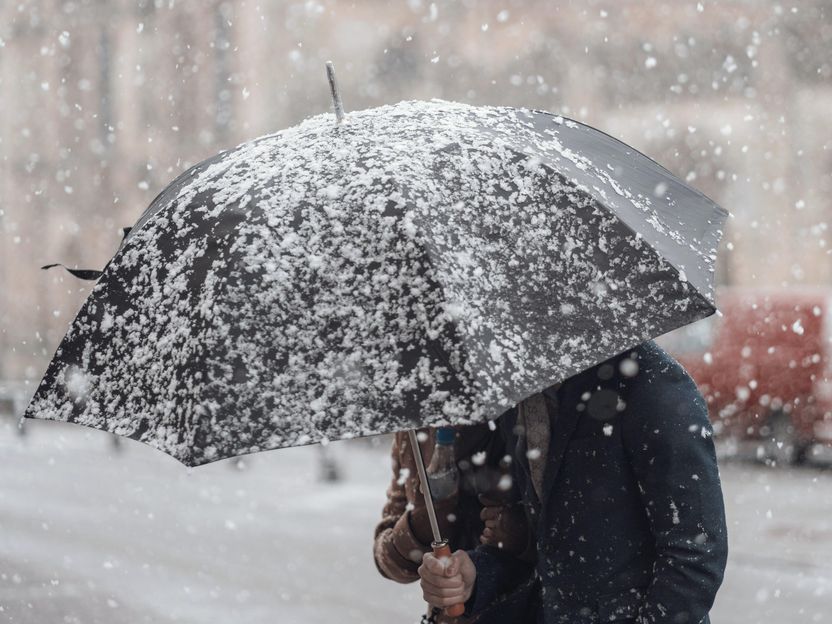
103, 102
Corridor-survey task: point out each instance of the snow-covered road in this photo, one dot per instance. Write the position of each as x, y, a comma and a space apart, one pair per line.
92, 534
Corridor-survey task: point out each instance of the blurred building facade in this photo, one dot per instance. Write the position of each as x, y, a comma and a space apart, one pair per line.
103, 102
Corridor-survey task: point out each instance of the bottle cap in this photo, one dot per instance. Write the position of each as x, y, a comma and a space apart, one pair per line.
445, 435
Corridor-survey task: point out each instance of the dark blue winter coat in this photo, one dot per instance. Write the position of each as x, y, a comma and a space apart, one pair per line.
631, 527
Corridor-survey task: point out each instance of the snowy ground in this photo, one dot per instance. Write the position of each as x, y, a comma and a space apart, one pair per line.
92, 534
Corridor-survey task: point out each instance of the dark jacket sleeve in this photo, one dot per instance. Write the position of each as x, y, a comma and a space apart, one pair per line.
668, 439
498, 574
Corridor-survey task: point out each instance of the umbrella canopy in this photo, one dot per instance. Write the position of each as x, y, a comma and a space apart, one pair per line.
422, 263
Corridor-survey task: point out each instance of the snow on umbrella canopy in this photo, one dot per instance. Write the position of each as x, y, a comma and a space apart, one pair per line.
420, 264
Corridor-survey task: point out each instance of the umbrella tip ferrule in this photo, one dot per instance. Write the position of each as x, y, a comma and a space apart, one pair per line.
337, 104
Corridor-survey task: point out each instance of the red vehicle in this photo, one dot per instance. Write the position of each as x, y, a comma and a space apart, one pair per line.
765, 367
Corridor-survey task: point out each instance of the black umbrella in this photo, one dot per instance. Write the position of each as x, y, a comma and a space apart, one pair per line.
418, 264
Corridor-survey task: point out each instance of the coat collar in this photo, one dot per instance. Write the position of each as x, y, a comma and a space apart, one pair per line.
561, 402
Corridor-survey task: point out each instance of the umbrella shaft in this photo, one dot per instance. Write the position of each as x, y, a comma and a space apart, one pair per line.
423, 478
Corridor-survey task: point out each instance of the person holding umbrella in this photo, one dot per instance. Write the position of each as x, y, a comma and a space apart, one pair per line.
478, 511
429, 264
616, 466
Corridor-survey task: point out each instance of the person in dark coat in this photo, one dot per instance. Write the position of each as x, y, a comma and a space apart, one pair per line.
619, 477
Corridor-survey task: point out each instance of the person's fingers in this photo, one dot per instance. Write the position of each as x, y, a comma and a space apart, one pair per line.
428, 578
443, 601
466, 566
434, 573
485, 501
489, 513
433, 565
443, 586
458, 559
488, 533
443, 596
457, 584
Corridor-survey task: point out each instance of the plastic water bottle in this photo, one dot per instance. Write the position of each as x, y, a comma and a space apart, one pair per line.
443, 475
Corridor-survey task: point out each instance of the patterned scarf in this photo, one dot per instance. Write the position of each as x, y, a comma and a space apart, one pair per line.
534, 417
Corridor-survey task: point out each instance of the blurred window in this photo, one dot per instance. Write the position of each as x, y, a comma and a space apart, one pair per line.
826, 331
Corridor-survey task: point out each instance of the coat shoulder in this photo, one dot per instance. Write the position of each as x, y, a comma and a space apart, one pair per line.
655, 365
663, 389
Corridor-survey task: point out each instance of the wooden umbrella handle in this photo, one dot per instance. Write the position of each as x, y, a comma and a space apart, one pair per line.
440, 550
